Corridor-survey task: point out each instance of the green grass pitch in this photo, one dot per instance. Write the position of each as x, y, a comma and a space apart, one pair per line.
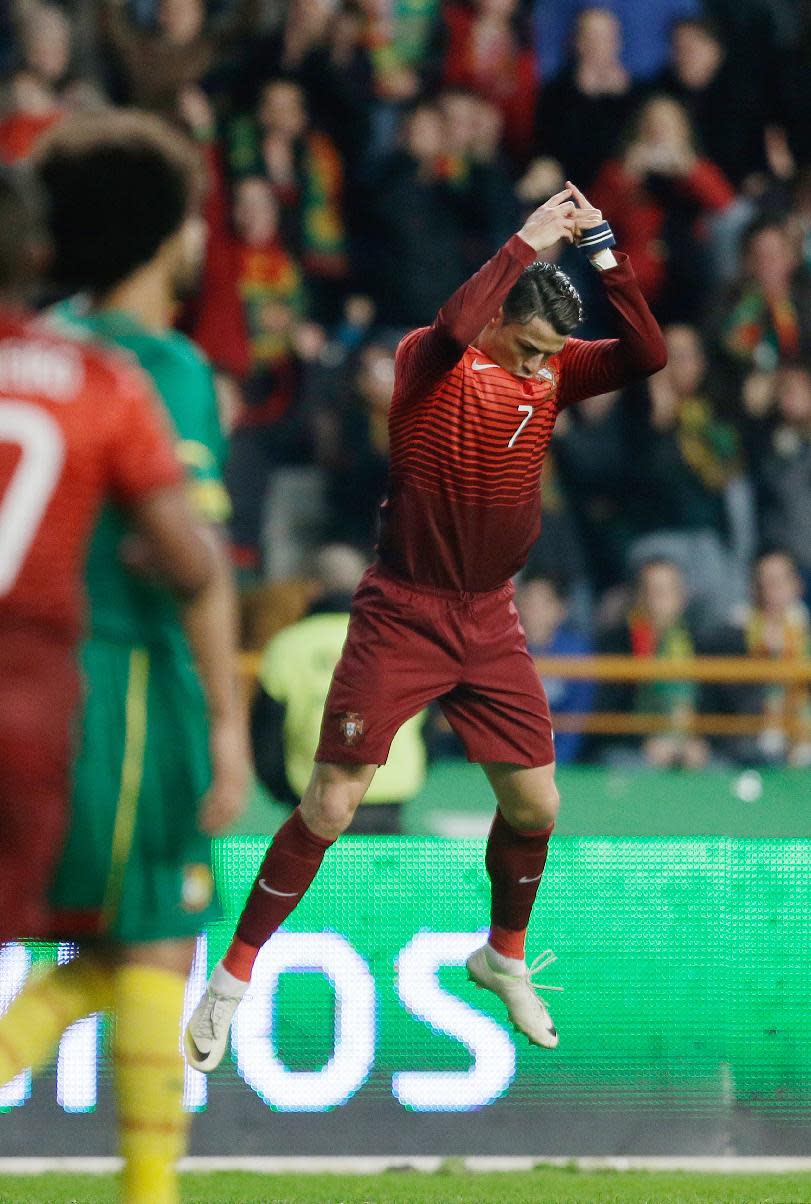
542, 1186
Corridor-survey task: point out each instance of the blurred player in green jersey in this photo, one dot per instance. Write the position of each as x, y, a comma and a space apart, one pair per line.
162, 762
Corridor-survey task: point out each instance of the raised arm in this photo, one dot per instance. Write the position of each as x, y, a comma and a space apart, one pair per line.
587, 368
425, 355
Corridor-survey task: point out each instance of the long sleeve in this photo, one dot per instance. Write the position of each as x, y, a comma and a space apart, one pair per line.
216, 319
707, 185
589, 368
425, 355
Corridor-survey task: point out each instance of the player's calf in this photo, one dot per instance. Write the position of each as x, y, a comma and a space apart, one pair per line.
289, 867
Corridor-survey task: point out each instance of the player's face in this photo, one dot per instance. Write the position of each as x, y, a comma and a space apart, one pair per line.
523, 347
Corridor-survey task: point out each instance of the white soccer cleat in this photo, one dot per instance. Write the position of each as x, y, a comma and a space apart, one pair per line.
206, 1034
526, 1009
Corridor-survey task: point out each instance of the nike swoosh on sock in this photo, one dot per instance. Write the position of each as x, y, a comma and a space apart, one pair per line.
284, 894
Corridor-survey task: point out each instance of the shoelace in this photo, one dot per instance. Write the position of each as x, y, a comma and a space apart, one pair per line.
212, 1015
537, 967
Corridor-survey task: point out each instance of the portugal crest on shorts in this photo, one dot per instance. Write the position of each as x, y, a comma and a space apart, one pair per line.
352, 726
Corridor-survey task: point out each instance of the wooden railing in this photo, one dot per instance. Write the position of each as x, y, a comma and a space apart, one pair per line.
793, 675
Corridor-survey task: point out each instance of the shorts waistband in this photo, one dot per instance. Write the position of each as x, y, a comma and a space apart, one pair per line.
436, 591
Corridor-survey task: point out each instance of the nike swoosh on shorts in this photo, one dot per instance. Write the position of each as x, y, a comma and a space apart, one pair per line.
535, 879
285, 894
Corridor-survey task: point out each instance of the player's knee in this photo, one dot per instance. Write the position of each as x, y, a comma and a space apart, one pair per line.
333, 797
540, 810
335, 809
550, 803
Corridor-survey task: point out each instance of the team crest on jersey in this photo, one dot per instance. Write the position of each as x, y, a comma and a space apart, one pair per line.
352, 726
198, 887
547, 374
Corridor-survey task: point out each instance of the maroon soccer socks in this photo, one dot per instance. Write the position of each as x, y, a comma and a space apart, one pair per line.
515, 861
290, 864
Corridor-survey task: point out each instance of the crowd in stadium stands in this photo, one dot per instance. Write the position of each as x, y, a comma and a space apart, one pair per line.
364, 156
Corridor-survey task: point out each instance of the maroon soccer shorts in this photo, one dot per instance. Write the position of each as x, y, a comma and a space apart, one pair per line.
38, 695
409, 645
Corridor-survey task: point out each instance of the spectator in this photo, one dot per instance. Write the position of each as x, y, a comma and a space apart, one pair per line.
685, 463
29, 109
790, 91
270, 430
722, 92
214, 315
543, 606
558, 550
306, 174
489, 53
33, 99
779, 449
46, 43
338, 77
582, 112
655, 196
655, 626
770, 318
294, 679
776, 625
322, 46
411, 257
270, 281
358, 467
645, 28
477, 176
592, 455
183, 47
404, 37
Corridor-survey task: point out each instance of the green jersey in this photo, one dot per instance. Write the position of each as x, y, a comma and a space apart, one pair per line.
122, 606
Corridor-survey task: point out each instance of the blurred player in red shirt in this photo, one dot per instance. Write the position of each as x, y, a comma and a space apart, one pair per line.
78, 425
475, 400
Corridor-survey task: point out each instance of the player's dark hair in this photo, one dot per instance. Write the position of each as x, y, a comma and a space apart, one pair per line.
118, 185
22, 229
543, 291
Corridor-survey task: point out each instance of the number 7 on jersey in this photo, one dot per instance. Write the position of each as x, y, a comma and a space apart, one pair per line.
528, 411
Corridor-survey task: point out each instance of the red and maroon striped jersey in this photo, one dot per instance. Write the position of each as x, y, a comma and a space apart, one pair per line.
78, 425
468, 438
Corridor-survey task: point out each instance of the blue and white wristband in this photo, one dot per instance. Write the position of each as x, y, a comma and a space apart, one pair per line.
598, 238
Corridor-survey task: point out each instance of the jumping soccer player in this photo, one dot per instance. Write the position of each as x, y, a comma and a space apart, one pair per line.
76, 425
163, 757
476, 396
